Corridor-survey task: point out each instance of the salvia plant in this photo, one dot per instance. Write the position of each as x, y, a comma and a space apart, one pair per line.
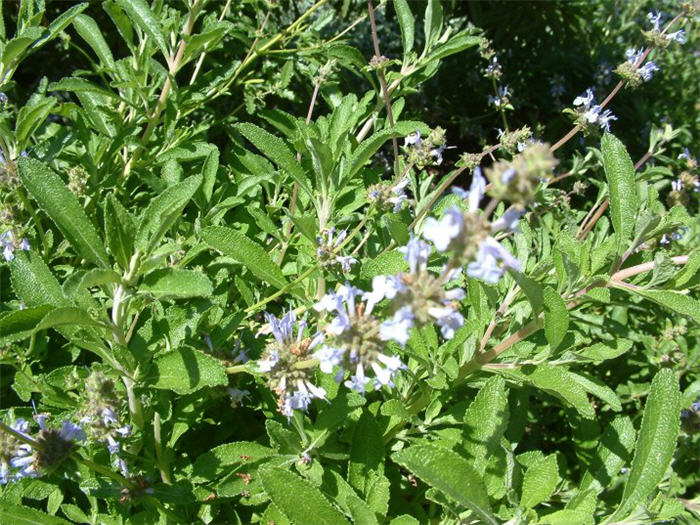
251, 275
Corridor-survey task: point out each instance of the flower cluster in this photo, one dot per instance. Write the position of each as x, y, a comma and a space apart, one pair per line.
501, 100
517, 180
328, 243
493, 70
355, 339
425, 152
510, 141
99, 412
48, 450
388, 195
656, 36
590, 113
288, 364
467, 235
10, 242
631, 71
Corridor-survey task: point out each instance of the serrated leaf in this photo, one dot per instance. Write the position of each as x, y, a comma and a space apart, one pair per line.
63, 207
281, 439
385, 264
176, 283
19, 324
336, 487
33, 282
247, 252
275, 149
220, 460
366, 453
656, 442
558, 382
598, 389
89, 31
485, 421
80, 85
619, 172
556, 317
677, 302
186, 370
450, 473
163, 211
407, 25
299, 500
613, 452
31, 116
604, 351
141, 15
66, 316
539, 482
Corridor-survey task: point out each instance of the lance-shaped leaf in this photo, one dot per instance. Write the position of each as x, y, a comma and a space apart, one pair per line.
619, 172
88, 29
176, 283
275, 149
186, 370
556, 317
141, 15
63, 207
163, 211
19, 324
407, 25
33, 282
299, 500
247, 252
366, 453
450, 473
656, 442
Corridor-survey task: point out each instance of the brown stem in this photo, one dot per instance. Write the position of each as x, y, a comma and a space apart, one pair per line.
382, 81
174, 65
641, 268
295, 189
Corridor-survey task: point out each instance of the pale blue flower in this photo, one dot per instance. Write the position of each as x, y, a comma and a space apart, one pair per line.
328, 358
266, 365
677, 36
416, 253
508, 221
448, 319
358, 381
647, 70
584, 100
655, 19
413, 139
441, 232
398, 327
605, 118
633, 55
492, 260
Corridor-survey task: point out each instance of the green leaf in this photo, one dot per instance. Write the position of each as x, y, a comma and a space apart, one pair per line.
89, 31
281, 439
250, 254
598, 389
533, 291
33, 282
275, 149
558, 382
407, 25
299, 500
140, 14
80, 85
186, 370
220, 460
450, 473
20, 515
163, 211
456, 44
556, 317
539, 482
31, 116
335, 486
605, 351
385, 264
613, 452
675, 301
19, 324
619, 172
656, 442
68, 315
432, 23
209, 169
176, 283
63, 207
366, 453
485, 421
120, 230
